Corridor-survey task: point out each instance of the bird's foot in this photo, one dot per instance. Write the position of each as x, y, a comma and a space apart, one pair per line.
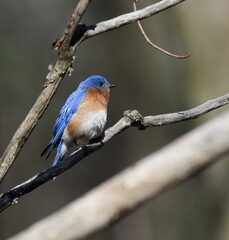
98, 139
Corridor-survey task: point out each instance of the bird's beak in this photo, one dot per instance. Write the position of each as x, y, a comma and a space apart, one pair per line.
111, 86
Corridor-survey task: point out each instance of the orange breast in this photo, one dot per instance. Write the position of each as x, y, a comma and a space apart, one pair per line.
94, 101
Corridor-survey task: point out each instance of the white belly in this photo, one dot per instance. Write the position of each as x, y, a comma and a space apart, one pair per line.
92, 127
89, 126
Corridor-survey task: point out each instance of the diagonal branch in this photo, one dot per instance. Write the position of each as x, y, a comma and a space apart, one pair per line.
125, 192
130, 119
63, 65
54, 78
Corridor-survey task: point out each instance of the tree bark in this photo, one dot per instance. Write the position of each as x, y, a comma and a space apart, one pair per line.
146, 179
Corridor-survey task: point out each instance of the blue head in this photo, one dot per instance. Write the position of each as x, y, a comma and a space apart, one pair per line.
97, 82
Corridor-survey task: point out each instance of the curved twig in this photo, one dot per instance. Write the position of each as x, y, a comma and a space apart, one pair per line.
154, 45
130, 119
128, 18
63, 65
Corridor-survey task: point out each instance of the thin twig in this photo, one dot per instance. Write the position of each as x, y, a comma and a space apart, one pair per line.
151, 43
130, 119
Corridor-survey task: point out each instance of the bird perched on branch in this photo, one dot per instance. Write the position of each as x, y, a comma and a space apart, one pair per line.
82, 118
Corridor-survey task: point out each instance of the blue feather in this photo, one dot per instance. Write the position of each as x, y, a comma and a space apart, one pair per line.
67, 111
57, 158
64, 117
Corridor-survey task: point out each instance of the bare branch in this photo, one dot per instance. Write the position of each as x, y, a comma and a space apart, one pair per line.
154, 45
130, 119
63, 64
147, 179
131, 17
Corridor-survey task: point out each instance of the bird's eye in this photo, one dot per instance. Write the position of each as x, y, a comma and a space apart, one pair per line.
100, 84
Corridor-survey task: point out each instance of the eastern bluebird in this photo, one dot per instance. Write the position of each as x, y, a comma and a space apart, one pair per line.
82, 118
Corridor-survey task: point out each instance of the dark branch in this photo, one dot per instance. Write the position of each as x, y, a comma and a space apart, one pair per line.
145, 180
130, 119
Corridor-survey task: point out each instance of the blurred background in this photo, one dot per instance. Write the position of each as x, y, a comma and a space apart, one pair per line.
146, 80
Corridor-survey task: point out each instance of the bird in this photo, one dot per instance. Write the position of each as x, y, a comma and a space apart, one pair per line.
82, 118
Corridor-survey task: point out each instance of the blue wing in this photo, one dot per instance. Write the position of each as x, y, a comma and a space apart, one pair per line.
64, 117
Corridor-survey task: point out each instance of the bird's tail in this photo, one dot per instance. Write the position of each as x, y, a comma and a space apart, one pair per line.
57, 159
59, 154
47, 151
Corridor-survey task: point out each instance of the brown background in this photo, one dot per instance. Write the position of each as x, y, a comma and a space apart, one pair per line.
147, 80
